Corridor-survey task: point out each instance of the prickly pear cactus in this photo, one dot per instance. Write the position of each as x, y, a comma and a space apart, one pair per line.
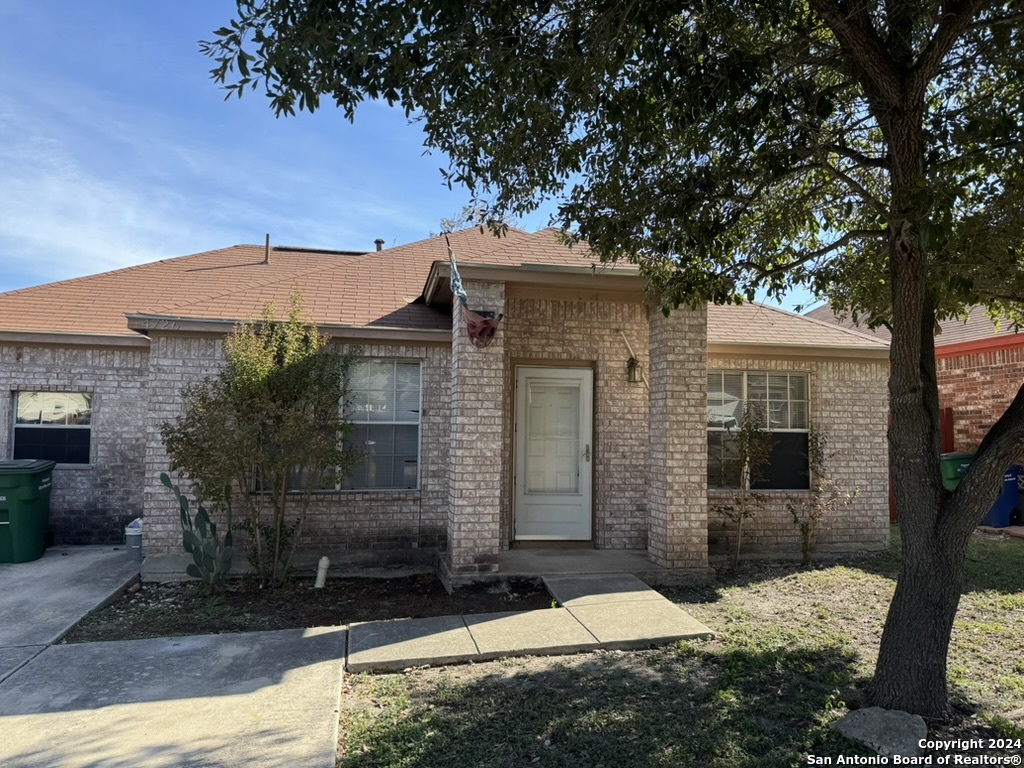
211, 557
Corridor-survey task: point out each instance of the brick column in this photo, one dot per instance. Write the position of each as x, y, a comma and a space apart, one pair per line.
475, 459
677, 491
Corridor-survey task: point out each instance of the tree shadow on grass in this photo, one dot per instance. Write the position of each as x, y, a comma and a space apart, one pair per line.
992, 563
683, 706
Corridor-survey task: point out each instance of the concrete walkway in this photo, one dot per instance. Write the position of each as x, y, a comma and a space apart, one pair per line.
611, 611
258, 699
41, 600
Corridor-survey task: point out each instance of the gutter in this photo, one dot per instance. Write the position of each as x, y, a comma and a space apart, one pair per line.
770, 350
56, 338
979, 346
146, 324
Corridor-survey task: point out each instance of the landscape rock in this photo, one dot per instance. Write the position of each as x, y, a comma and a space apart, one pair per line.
888, 732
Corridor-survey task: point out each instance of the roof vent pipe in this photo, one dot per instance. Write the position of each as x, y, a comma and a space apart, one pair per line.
266, 250
379, 242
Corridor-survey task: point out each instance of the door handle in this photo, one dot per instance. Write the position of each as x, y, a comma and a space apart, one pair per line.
586, 453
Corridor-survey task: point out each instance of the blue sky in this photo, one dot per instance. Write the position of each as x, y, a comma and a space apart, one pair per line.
116, 148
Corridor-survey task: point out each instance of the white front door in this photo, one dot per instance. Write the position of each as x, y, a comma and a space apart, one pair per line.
554, 450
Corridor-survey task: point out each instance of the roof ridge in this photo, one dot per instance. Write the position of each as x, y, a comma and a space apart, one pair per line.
441, 236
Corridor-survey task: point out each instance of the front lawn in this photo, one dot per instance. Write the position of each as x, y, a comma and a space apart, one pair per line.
792, 646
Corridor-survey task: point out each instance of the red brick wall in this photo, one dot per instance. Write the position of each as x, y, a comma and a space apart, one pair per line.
978, 386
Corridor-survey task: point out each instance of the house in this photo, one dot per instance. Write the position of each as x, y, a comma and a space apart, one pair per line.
979, 364
591, 419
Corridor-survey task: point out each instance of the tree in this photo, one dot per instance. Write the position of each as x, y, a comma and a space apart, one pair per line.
265, 433
868, 150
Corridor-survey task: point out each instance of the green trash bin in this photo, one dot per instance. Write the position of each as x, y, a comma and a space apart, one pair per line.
24, 508
954, 465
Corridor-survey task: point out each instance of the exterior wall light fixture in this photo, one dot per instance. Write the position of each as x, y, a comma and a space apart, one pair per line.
634, 373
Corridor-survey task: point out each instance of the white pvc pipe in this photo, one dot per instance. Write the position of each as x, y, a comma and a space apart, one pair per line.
321, 572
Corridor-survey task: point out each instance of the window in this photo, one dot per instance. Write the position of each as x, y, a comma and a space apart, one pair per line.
384, 406
783, 400
53, 425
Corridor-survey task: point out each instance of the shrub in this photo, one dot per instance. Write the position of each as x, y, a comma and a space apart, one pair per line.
266, 433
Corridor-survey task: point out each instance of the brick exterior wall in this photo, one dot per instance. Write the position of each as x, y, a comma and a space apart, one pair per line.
337, 522
475, 471
978, 387
174, 363
550, 332
849, 400
677, 499
90, 504
649, 480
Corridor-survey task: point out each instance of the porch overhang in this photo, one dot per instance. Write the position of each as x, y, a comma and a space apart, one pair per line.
604, 282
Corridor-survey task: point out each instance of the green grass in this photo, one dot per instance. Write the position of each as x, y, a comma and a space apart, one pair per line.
791, 646
685, 706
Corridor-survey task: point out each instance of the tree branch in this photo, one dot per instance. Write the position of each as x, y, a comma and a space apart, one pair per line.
857, 187
859, 40
956, 19
849, 237
980, 151
1013, 18
864, 161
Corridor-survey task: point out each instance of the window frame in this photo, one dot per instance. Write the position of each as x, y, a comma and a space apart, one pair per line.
344, 486
16, 425
744, 399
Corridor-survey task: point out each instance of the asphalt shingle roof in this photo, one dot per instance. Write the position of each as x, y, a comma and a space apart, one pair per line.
977, 327
762, 324
379, 288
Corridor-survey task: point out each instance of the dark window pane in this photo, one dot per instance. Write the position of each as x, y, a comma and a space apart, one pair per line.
389, 457
65, 446
723, 464
405, 471
788, 467
380, 441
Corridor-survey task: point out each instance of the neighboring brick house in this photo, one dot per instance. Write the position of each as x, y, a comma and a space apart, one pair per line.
980, 368
590, 419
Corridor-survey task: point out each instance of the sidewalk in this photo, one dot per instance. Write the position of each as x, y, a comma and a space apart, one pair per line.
601, 611
259, 699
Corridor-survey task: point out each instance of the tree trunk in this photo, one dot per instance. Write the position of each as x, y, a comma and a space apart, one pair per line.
911, 671
910, 674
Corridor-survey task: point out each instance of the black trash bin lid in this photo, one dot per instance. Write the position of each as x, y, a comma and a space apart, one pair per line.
26, 466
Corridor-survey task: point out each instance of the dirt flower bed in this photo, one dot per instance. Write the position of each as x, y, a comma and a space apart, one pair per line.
162, 610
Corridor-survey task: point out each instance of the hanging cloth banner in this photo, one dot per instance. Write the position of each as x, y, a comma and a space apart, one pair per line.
480, 325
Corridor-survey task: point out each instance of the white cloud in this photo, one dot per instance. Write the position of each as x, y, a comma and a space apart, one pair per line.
116, 149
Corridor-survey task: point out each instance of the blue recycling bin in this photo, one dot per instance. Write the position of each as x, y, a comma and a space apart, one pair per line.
1007, 506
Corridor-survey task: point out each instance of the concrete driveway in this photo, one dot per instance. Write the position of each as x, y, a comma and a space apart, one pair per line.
254, 699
